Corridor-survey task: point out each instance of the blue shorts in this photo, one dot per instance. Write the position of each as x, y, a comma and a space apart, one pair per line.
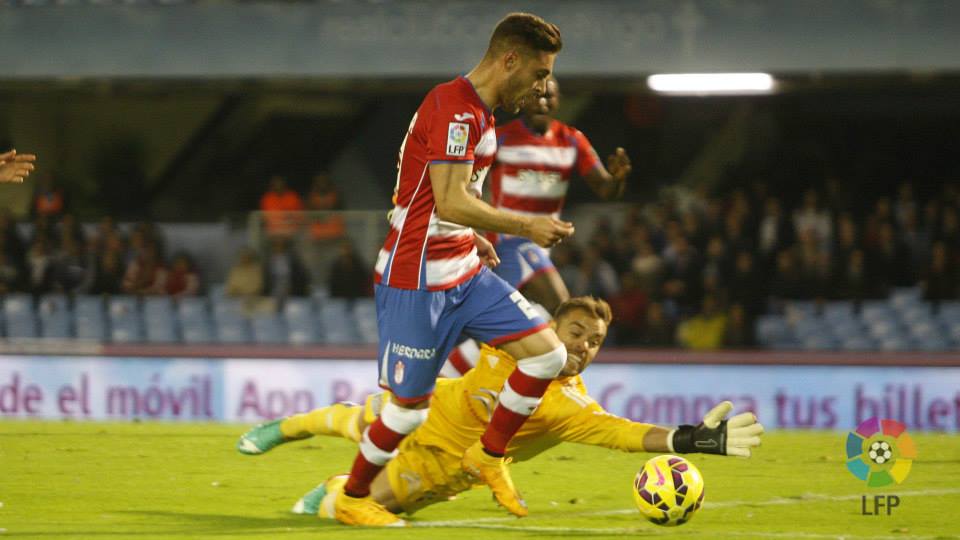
418, 329
521, 260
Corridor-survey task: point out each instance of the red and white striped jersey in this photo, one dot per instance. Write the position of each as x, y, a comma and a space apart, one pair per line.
423, 252
532, 171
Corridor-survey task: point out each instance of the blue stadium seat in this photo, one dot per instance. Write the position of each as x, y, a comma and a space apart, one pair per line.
858, 343
949, 312
159, 320
771, 329
217, 291
896, 343
90, 328
228, 307
819, 342
22, 329
161, 333
295, 308
844, 329
301, 321
365, 316
158, 307
197, 332
875, 310
319, 293
786, 345
923, 330
123, 306
337, 322
905, 297
916, 313
953, 331
838, 311
88, 317
933, 344
17, 305
886, 329
232, 330
804, 328
53, 312
88, 305
126, 325
193, 308
20, 317
50, 304
268, 328
56, 325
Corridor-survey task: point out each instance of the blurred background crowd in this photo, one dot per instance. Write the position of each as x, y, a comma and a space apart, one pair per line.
267, 175
690, 268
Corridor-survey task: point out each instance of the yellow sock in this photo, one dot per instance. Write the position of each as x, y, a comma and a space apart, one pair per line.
337, 420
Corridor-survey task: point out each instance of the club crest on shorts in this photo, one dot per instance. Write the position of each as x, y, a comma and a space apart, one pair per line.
398, 372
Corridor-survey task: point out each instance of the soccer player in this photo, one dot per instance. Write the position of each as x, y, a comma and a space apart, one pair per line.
536, 156
14, 167
427, 470
432, 284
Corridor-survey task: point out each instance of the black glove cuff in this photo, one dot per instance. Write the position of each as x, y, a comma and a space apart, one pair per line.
701, 439
683, 439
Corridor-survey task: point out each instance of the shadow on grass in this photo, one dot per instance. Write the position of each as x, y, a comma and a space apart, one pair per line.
172, 524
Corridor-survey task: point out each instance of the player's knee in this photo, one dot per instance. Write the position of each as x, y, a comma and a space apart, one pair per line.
402, 420
545, 366
518, 403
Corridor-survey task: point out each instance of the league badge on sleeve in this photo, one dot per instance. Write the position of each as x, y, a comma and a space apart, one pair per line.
457, 136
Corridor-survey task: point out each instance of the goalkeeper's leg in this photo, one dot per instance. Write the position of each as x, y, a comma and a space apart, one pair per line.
346, 420
337, 420
419, 476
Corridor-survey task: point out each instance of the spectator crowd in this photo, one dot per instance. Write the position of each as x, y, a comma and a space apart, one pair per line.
695, 270
691, 269
59, 255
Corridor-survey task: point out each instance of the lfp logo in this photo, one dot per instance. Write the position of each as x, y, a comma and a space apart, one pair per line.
880, 452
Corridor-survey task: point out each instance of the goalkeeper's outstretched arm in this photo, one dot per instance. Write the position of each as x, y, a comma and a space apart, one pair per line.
714, 435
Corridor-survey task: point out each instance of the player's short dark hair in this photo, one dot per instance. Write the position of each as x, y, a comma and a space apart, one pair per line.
526, 31
596, 307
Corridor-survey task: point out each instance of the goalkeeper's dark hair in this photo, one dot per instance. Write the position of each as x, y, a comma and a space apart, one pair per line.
525, 31
597, 307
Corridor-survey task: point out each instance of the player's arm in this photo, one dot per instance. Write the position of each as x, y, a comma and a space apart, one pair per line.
15, 167
456, 205
609, 182
715, 435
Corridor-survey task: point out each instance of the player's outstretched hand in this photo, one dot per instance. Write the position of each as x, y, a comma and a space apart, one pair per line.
15, 167
547, 231
486, 252
618, 165
716, 435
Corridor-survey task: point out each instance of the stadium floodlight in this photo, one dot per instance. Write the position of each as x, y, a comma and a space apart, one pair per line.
712, 83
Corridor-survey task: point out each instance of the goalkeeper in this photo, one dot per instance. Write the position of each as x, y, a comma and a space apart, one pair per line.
427, 467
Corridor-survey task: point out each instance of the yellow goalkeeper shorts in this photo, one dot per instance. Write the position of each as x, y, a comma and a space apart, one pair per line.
421, 475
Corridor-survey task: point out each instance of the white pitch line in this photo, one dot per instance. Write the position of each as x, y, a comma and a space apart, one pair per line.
495, 522
633, 531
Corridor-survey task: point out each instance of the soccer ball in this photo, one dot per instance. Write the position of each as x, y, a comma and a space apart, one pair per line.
668, 490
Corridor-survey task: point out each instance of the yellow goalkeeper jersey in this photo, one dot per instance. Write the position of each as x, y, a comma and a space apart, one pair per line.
461, 408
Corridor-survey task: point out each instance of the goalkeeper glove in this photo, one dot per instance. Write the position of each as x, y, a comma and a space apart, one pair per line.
715, 435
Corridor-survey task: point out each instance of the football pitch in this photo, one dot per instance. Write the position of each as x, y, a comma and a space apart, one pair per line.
170, 481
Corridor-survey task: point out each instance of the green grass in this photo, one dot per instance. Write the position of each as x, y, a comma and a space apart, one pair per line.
151, 481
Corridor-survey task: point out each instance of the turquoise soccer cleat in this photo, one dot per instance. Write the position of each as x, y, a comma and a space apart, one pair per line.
309, 504
261, 438
312, 504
